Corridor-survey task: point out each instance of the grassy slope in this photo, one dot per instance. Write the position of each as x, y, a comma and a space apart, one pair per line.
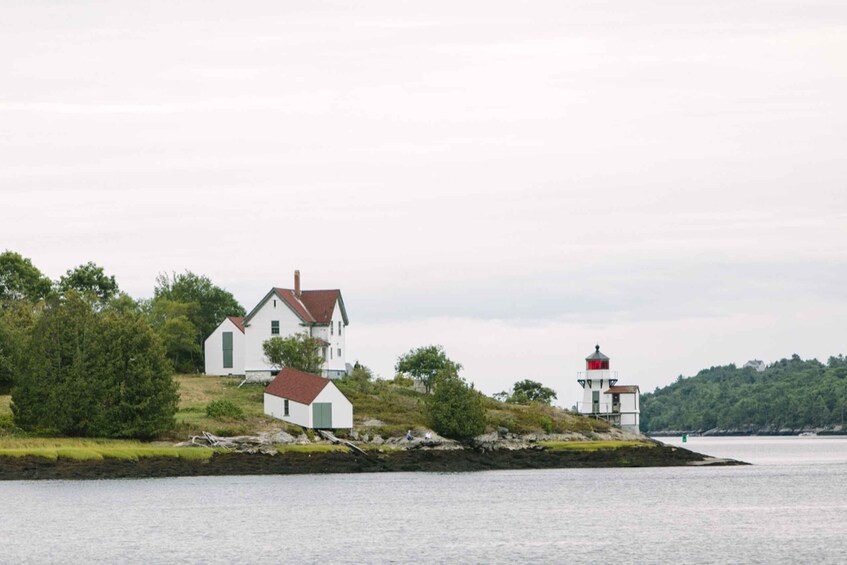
397, 408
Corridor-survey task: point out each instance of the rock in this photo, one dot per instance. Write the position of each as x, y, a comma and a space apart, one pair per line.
282, 437
377, 440
354, 435
502, 432
365, 438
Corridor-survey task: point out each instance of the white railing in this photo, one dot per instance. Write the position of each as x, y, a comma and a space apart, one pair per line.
596, 374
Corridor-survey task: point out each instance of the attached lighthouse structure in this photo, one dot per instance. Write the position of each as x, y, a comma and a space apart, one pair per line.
603, 398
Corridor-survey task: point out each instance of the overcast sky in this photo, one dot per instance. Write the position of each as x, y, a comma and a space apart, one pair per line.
514, 180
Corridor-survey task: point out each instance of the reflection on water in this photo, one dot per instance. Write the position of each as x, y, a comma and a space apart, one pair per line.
792, 508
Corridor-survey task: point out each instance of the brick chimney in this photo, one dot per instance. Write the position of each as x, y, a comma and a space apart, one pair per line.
297, 283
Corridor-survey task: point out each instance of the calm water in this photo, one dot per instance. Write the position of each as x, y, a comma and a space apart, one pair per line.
790, 508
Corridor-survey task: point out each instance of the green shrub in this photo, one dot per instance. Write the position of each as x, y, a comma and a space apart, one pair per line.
455, 409
224, 410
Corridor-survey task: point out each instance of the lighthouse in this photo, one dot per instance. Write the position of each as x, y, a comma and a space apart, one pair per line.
603, 398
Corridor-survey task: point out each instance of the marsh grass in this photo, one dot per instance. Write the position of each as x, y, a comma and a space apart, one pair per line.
97, 449
592, 445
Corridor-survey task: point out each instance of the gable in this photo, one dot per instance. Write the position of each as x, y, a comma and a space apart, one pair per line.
286, 297
237, 321
313, 306
321, 304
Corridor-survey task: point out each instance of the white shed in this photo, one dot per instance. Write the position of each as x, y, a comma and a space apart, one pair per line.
224, 349
624, 404
307, 400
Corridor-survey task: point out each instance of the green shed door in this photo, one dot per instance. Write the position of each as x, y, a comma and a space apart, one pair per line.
322, 415
227, 347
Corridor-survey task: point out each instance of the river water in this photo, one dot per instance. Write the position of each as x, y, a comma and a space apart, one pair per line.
790, 507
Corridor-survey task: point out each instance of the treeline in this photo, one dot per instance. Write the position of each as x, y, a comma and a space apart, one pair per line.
789, 394
81, 357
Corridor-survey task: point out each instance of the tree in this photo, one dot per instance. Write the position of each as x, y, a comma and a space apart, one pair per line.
425, 363
177, 335
213, 303
361, 373
94, 372
195, 297
526, 392
300, 351
20, 279
16, 321
455, 409
89, 278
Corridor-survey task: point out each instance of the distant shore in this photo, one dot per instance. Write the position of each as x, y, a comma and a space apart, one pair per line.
420, 460
747, 432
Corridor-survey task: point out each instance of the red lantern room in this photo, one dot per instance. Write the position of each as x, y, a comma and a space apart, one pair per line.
597, 361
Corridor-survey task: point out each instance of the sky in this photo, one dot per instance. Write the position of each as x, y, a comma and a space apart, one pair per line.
516, 181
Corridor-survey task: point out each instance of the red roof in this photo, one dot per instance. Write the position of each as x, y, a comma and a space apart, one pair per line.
238, 321
320, 303
299, 308
297, 386
623, 389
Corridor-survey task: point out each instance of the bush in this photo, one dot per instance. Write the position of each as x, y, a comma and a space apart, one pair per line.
224, 409
455, 409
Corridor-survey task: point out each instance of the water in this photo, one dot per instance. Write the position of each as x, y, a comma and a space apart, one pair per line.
792, 507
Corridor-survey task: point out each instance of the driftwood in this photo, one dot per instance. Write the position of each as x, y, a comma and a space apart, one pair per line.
239, 444
329, 436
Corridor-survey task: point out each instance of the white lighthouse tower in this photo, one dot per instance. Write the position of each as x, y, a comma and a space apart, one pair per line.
603, 398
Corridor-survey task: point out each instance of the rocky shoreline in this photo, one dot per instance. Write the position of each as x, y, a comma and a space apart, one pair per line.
417, 459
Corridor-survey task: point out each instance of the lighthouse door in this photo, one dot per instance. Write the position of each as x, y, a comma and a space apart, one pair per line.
595, 401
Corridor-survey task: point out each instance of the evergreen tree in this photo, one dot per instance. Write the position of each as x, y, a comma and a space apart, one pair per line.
455, 409
94, 372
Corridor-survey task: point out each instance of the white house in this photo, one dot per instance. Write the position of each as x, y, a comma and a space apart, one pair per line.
283, 312
224, 349
307, 400
601, 397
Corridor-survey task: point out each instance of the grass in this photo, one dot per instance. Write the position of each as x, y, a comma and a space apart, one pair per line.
592, 445
96, 449
398, 407
198, 391
402, 408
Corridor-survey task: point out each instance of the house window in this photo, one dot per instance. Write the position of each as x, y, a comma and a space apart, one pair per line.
330, 353
339, 352
274, 327
324, 353
274, 302
339, 328
285, 407
331, 329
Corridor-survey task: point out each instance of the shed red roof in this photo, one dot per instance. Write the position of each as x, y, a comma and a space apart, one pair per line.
297, 386
238, 321
623, 389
